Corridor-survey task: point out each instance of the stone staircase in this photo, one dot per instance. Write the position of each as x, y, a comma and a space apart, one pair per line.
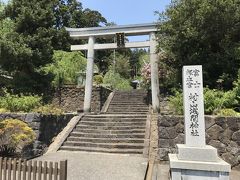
129, 102
121, 130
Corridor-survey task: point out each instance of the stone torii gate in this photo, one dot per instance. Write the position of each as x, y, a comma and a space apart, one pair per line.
108, 32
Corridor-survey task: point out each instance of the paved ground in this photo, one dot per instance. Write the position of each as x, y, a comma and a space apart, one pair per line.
100, 166
161, 172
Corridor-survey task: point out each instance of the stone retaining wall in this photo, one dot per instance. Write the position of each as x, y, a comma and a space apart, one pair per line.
222, 133
46, 128
71, 98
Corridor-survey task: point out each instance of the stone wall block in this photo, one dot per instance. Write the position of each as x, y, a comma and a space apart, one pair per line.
169, 121
179, 139
172, 131
215, 131
179, 128
236, 137
228, 157
233, 148
233, 123
163, 133
209, 121
21, 116
220, 146
226, 136
166, 143
222, 122
34, 125
222, 133
163, 153
33, 117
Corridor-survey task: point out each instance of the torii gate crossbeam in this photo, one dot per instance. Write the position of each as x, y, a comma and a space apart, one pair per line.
109, 32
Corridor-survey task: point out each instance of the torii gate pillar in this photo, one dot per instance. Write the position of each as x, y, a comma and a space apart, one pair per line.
154, 73
89, 75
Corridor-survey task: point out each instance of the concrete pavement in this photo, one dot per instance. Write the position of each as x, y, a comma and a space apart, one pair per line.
100, 166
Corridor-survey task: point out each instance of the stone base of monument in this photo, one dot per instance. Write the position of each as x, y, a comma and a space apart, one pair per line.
198, 163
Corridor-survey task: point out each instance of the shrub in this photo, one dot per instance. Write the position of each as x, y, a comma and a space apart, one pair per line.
228, 112
214, 101
3, 110
22, 103
115, 81
49, 109
14, 136
176, 103
98, 79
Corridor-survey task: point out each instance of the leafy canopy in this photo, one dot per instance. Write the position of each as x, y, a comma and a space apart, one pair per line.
66, 67
203, 32
28, 46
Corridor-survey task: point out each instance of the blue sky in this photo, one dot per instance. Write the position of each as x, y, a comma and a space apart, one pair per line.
127, 11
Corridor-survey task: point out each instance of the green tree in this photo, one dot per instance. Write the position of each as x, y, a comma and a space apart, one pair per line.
203, 32
28, 47
66, 67
121, 65
70, 13
137, 60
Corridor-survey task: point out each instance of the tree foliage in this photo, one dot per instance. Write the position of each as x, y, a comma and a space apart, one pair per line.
115, 81
70, 13
66, 67
28, 47
203, 32
31, 31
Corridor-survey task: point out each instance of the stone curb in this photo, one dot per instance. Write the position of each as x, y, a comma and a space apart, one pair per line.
107, 103
61, 137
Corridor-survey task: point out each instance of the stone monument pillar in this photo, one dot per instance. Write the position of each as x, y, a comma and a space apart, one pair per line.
196, 160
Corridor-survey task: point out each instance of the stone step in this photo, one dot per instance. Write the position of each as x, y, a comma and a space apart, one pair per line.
130, 95
131, 101
114, 120
99, 140
135, 113
127, 109
109, 116
127, 97
80, 126
114, 116
105, 145
103, 150
129, 105
140, 102
128, 112
91, 135
100, 131
112, 124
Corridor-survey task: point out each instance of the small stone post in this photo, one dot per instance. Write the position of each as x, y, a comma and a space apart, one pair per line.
89, 75
154, 73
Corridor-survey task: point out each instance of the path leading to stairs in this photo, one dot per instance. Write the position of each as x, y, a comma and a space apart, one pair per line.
100, 166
